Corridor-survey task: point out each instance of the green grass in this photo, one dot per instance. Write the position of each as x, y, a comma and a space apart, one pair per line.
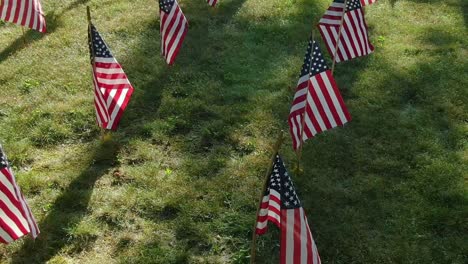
180, 179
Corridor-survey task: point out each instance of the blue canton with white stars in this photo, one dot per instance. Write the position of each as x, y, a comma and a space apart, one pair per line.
314, 63
339, 1
306, 65
166, 5
352, 5
97, 45
281, 182
3, 159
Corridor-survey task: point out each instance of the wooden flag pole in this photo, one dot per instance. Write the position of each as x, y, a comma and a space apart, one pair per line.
276, 147
299, 151
88, 13
339, 37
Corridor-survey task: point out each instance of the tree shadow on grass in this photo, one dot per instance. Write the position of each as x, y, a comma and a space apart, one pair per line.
392, 180
53, 21
462, 4
151, 82
67, 211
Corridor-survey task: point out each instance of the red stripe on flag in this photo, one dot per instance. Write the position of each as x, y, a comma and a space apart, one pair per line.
284, 232
328, 99
338, 95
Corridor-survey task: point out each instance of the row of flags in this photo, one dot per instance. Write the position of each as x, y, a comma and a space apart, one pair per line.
317, 106
16, 218
112, 93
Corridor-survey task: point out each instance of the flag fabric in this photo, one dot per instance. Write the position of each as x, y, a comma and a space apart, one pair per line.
16, 219
212, 2
354, 41
26, 13
281, 206
173, 29
367, 2
317, 105
112, 89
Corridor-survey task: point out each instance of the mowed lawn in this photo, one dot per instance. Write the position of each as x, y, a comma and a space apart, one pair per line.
179, 181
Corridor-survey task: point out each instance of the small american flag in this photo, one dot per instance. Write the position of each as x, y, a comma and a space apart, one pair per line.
367, 2
173, 29
212, 2
354, 41
16, 219
317, 104
26, 13
112, 90
281, 206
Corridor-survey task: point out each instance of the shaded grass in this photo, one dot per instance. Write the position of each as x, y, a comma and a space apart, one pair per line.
179, 181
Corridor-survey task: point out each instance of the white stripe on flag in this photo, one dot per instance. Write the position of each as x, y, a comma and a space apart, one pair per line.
309, 125
177, 41
112, 81
5, 236
170, 34
109, 70
316, 113
289, 235
323, 102
336, 103
117, 108
303, 239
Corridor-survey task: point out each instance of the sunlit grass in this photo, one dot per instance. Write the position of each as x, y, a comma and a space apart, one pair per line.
180, 179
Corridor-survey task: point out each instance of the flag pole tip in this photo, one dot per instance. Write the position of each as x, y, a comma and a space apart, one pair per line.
88, 12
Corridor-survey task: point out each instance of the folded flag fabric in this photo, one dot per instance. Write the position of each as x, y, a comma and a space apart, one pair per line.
281, 206
317, 104
26, 13
16, 219
112, 89
367, 2
354, 41
173, 29
212, 2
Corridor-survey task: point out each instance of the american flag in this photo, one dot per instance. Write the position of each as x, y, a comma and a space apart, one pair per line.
112, 90
212, 2
317, 104
367, 2
281, 206
173, 29
26, 13
354, 41
16, 219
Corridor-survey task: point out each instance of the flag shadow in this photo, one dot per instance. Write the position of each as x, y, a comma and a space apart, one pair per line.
68, 210
30, 36
53, 22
